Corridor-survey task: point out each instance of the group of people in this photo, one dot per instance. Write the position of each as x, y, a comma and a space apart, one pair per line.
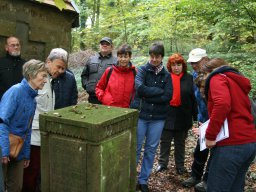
168, 99
26, 90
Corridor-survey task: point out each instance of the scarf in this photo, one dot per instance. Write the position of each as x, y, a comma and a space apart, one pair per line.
176, 100
158, 68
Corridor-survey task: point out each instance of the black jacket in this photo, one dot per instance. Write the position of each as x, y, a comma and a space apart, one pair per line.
93, 70
65, 90
10, 72
180, 118
153, 93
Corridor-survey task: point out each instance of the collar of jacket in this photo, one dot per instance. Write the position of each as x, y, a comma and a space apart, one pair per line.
33, 93
107, 56
150, 68
222, 69
124, 69
12, 57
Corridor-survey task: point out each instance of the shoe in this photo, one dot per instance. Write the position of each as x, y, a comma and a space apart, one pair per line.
144, 188
190, 182
181, 171
137, 187
201, 187
160, 169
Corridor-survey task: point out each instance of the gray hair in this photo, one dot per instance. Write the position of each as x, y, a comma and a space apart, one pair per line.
58, 53
32, 68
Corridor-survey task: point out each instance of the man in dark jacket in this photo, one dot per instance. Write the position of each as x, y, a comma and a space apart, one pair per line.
197, 57
65, 90
11, 65
95, 67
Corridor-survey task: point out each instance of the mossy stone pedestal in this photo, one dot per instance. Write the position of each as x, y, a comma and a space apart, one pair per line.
88, 148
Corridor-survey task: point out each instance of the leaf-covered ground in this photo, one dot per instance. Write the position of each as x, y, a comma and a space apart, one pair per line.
169, 181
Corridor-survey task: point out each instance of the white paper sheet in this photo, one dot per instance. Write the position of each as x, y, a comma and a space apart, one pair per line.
223, 134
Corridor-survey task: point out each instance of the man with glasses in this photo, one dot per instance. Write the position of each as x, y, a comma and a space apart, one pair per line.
197, 57
11, 65
95, 67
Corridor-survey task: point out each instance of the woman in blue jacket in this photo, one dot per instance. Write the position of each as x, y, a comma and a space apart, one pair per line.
17, 109
1, 174
153, 93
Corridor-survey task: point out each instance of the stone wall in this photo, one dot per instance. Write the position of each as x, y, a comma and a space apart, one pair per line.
40, 27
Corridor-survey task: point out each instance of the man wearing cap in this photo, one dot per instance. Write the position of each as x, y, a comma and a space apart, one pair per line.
197, 57
11, 65
95, 67
59, 91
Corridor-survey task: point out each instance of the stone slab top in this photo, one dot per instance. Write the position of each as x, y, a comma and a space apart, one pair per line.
88, 121
90, 114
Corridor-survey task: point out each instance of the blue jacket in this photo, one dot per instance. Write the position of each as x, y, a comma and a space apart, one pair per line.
202, 108
65, 90
17, 109
153, 93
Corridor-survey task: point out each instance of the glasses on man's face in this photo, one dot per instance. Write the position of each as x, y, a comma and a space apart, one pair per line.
105, 43
194, 63
14, 45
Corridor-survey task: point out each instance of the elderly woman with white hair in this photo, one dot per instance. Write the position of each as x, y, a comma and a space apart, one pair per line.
17, 109
59, 91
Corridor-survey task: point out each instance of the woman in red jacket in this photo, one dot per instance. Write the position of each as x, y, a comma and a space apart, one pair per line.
116, 86
226, 92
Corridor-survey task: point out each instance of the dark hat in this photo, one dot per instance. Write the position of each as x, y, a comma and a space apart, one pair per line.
107, 39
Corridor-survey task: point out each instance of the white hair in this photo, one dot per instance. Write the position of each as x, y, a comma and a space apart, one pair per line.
58, 53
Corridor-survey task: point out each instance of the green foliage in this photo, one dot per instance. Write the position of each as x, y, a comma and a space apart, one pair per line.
245, 63
60, 4
220, 26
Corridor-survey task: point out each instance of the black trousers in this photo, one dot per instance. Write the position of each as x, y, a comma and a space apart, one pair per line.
200, 159
93, 99
179, 147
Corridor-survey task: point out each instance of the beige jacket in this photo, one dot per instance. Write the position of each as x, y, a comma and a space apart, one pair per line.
45, 102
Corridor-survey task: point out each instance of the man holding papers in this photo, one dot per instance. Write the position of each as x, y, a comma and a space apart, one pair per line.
226, 92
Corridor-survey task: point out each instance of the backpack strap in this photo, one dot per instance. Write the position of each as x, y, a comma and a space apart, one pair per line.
109, 73
134, 72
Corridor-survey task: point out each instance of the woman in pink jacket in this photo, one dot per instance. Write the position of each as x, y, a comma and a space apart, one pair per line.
116, 86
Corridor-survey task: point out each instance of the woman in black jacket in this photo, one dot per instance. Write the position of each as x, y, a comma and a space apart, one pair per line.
153, 93
182, 109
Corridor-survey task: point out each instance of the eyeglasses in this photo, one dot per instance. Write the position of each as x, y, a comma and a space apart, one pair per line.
14, 45
194, 63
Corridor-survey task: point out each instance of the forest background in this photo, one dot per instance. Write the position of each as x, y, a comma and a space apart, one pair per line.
225, 28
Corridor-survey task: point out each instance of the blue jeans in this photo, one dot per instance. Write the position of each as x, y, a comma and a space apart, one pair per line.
150, 131
1, 173
228, 167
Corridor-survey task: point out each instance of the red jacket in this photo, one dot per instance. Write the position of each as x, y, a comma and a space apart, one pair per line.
228, 98
119, 89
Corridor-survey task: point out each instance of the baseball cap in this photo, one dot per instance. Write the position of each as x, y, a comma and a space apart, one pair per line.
196, 55
107, 39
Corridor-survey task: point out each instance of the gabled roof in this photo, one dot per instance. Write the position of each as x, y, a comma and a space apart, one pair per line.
70, 7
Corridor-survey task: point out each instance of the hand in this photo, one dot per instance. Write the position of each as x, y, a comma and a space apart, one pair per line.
5, 160
195, 131
26, 163
210, 144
